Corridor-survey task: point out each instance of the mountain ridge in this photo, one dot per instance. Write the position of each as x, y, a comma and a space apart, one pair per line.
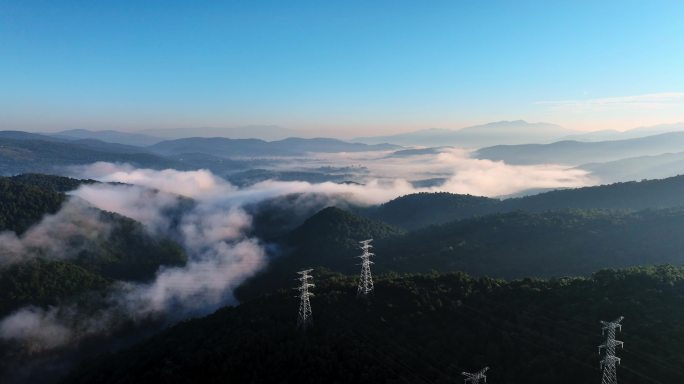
510, 132
221, 146
571, 153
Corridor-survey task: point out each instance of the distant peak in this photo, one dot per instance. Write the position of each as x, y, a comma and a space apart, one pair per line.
509, 122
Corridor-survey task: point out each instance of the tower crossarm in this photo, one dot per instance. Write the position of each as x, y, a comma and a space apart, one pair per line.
615, 324
476, 377
611, 344
610, 360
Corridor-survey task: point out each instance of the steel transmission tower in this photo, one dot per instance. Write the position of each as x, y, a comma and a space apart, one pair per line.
366, 280
610, 360
304, 278
476, 377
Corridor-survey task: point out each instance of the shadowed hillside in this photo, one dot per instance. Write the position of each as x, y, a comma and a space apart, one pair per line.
330, 238
508, 245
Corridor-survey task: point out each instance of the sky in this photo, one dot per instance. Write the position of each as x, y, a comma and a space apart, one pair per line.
339, 68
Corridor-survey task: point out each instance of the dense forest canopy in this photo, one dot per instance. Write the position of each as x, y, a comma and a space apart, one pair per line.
424, 328
51, 182
22, 205
44, 283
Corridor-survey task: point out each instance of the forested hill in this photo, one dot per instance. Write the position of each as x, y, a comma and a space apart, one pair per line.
423, 329
549, 244
505, 245
25, 199
333, 232
424, 209
51, 182
44, 155
329, 238
22, 205
632, 195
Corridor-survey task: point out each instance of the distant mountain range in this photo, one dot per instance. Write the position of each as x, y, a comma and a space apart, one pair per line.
127, 138
576, 152
22, 152
219, 146
502, 132
48, 155
512, 133
21, 135
263, 132
610, 134
638, 168
147, 137
634, 156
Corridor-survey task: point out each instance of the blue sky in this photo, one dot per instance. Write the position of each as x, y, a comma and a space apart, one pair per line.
340, 68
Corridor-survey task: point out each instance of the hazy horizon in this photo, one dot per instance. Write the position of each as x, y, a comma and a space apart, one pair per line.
207, 131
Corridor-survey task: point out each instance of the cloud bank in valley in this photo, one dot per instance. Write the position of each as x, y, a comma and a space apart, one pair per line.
461, 173
496, 178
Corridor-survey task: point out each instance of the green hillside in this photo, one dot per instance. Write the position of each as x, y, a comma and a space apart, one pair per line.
554, 243
333, 232
632, 195
40, 155
507, 245
128, 252
424, 209
330, 238
50, 182
22, 205
42, 283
